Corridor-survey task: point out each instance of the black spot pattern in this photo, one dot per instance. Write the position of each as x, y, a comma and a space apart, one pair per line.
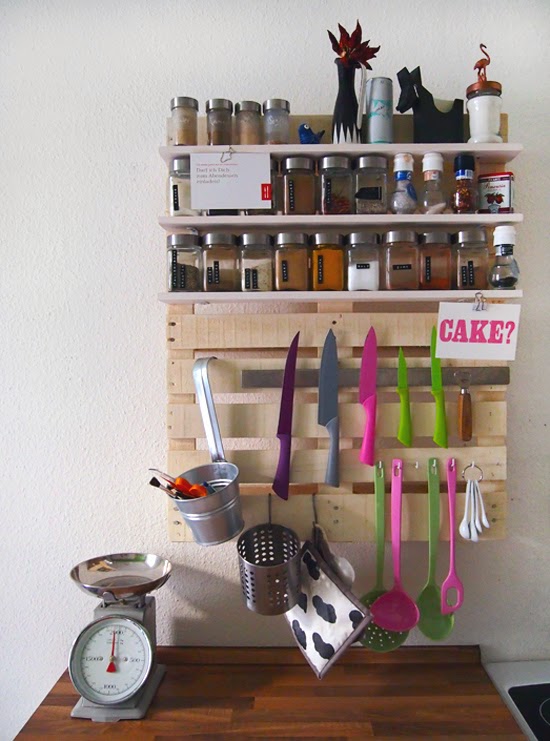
312, 567
302, 601
356, 617
299, 633
324, 609
325, 650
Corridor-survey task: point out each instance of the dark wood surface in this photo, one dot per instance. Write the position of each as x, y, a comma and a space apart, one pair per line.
271, 693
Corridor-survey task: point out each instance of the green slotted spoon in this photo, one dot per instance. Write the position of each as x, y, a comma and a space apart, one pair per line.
432, 622
375, 637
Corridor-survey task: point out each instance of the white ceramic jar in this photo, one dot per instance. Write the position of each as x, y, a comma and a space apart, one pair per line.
484, 106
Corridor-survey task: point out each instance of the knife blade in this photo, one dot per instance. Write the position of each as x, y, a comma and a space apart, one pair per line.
327, 414
367, 396
404, 433
440, 426
284, 429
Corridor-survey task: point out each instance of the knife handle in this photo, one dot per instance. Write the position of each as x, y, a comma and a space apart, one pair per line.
404, 433
367, 448
465, 415
332, 476
282, 475
440, 428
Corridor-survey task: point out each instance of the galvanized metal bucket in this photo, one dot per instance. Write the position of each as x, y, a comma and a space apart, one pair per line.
217, 517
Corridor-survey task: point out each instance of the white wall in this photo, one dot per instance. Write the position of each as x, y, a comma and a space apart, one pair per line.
84, 94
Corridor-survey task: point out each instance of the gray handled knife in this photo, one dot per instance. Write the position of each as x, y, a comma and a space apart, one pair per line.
328, 406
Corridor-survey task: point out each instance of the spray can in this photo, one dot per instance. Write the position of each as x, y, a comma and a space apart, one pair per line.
378, 127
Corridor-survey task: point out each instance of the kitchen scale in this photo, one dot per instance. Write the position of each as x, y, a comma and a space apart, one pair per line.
112, 662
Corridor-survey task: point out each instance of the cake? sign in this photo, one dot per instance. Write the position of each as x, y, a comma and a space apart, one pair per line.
465, 332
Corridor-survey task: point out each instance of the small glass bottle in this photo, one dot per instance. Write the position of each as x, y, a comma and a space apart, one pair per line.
218, 120
179, 188
249, 122
184, 262
435, 261
299, 185
432, 200
363, 262
472, 260
276, 121
274, 206
505, 271
256, 262
220, 260
182, 126
464, 199
336, 185
327, 262
371, 185
401, 260
403, 200
291, 262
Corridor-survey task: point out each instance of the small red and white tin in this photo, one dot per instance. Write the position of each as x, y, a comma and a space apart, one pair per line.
496, 193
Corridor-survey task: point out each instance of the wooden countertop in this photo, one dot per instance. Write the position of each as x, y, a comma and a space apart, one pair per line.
271, 693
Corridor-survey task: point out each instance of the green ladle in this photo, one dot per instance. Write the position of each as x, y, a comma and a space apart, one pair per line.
375, 637
432, 622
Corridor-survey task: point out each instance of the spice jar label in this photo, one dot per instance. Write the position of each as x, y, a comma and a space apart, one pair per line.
284, 270
402, 267
230, 180
320, 272
428, 269
362, 266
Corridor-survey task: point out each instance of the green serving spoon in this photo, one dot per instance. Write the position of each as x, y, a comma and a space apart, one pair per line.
375, 637
432, 622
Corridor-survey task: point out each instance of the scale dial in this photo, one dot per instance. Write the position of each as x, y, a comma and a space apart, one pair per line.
111, 660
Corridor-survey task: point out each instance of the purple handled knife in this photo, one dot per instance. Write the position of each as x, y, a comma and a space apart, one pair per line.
284, 430
367, 395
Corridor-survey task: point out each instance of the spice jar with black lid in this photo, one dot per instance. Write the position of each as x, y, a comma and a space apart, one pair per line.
220, 259
291, 262
299, 185
184, 262
256, 262
336, 185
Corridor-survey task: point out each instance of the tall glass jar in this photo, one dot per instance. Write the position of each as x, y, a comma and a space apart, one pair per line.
363, 262
184, 262
401, 260
179, 188
220, 259
472, 259
276, 121
256, 262
218, 120
299, 185
327, 262
484, 106
371, 185
249, 122
291, 262
275, 206
182, 125
336, 185
435, 261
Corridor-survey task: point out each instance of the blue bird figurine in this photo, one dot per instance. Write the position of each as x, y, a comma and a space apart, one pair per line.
308, 136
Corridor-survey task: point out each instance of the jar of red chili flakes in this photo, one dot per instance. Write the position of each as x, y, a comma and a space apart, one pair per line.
496, 193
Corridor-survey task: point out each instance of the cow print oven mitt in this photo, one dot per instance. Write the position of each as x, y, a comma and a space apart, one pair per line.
327, 618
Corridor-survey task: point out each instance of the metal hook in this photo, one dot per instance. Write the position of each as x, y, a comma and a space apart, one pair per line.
472, 465
226, 155
480, 302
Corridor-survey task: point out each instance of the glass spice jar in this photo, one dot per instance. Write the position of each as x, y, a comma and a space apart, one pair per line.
403, 200
464, 199
504, 272
299, 185
371, 185
275, 206
336, 185
220, 259
276, 121
291, 262
256, 262
435, 261
327, 262
401, 260
472, 259
218, 120
182, 126
432, 200
363, 262
179, 188
184, 262
249, 122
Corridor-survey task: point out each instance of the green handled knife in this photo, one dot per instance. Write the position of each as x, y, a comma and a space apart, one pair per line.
404, 433
440, 430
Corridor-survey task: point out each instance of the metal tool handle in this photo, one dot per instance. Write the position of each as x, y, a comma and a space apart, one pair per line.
332, 475
208, 410
465, 415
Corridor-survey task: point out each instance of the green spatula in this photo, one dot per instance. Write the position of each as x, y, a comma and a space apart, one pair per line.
375, 637
432, 623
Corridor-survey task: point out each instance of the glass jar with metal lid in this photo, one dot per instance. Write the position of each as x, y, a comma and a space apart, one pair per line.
248, 117
336, 185
218, 120
291, 262
184, 262
220, 259
276, 121
299, 185
371, 185
256, 262
363, 261
274, 206
182, 125
401, 260
179, 188
472, 259
327, 262
435, 261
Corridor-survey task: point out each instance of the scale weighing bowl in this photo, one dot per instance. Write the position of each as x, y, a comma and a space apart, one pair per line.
125, 576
